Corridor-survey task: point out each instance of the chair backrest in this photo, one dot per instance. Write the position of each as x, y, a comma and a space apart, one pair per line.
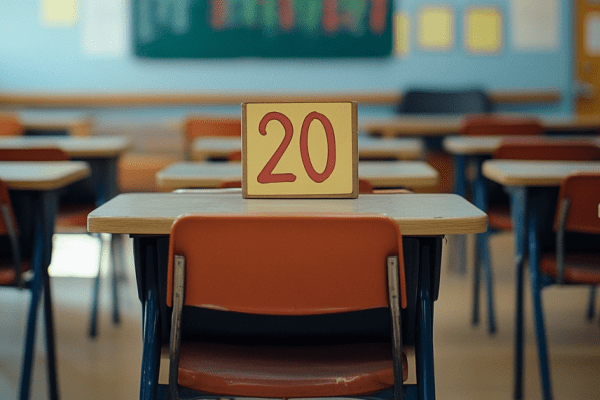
547, 149
445, 102
235, 156
7, 212
364, 186
199, 126
33, 154
10, 125
582, 192
278, 264
495, 125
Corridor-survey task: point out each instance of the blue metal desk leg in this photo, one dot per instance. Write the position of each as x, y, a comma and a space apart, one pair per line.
151, 351
36, 289
460, 188
50, 201
45, 206
482, 255
536, 289
106, 188
116, 251
428, 290
591, 311
518, 202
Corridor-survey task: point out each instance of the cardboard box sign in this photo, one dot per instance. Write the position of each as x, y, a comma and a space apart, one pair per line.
299, 150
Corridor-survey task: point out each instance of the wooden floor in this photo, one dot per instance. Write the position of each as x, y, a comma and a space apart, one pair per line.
469, 363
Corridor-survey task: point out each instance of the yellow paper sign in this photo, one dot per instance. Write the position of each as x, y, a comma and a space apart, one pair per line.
483, 30
60, 12
402, 33
436, 28
299, 150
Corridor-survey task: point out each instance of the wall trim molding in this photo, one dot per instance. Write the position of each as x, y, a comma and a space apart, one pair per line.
197, 98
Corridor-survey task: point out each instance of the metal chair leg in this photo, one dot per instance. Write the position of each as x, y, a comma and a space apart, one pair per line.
151, 352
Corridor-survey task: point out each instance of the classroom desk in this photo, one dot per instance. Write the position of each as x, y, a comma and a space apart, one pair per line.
438, 125
381, 174
524, 181
39, 183
474, 150
423, 220
101, 153
401, 149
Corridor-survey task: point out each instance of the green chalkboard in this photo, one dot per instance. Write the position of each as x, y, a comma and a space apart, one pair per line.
262, 28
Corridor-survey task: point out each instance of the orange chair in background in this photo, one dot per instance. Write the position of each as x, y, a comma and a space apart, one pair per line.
201, 126
500, 125
12, 267
235, 156
574, 261
10, 125
286, 267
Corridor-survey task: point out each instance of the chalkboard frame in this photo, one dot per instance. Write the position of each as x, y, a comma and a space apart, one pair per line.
192, 29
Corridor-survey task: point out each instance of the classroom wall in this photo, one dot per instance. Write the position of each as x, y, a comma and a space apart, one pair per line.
41, 58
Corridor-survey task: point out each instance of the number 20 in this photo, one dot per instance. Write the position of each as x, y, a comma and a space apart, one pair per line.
266, 175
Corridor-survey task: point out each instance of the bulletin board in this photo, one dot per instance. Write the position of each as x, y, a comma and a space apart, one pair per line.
262, 28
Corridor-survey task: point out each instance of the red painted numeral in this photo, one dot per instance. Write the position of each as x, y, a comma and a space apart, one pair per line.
267, 175
330, 166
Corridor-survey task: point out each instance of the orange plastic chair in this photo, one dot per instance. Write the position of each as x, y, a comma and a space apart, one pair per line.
34, 154
71, 218
12, 268
198, 126
235, 156
547, 149
10, 125
283, 266
576, 212
496, 125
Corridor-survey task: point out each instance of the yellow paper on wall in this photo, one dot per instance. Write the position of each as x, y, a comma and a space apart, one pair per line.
59, 12
436, 28
483, 28
402, 34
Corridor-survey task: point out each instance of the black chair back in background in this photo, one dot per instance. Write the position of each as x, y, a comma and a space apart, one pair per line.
471, 101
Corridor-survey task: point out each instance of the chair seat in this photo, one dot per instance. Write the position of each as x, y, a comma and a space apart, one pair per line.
260, 371
580, 268
499, 217
73, 217
7, 271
